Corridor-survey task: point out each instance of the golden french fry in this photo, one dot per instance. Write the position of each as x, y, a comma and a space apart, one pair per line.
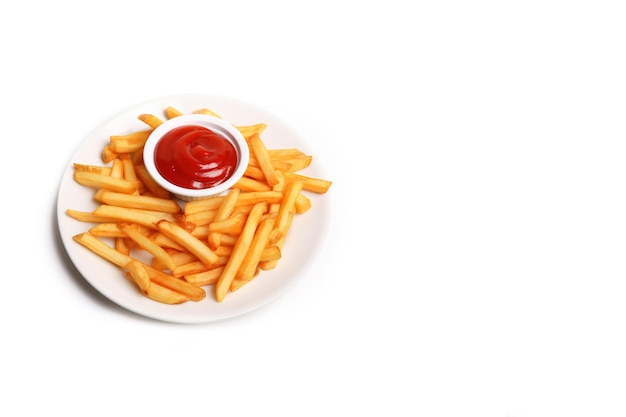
271, 263
292, 189
117, 169
137, 201
205, 204
150, 119
108, 154
107, 230
150, 183
201, 232
254, 173
316, 185
286, 153
298, 164
193, 292
171, 112
250, 184
277, 164
223, 212
249, 265
92, 168
134, 232
165, 242
259, 151
239, 251
303, 203
189, 268
89, 217
203, 278
189, 242
201, 218
139, 274
230, 226
123, 245
130, 142
247, 131
271, 253
165, 295
128, 167
96, 180
244, 199
101, 249
179, 258
131, 215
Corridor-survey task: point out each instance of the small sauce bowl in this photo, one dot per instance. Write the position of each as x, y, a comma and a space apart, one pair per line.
188, 167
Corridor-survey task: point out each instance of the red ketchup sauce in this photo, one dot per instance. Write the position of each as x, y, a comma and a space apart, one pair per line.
195, 157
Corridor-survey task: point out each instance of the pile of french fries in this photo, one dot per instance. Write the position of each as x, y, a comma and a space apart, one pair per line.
173, 252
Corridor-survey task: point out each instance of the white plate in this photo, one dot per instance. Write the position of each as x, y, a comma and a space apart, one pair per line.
305, 238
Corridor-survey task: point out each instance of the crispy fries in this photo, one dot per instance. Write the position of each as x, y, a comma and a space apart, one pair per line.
170, 250
239, 252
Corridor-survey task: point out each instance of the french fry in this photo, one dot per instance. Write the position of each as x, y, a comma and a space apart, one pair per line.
129, 167
233, 225
123, 245
249, 184
131, 142
210, 203
303, 204
165, 295
150, 183
193, 292
258, 149
132, 215
96, 180
92, 168
271, 263
315, 185
286, 153
202, 218
139, 274
107, 230
223, 212
108, 154
222, 285
89, 217
117, 169
189, 268
189, 242
179, 258
171, 112
248, 268
277, 164
244, 199
137, 201
150, 119
134, 232
298, 164
247, 131
271, 253
203, 278
254, 173
101, 249
166, 242
292, 190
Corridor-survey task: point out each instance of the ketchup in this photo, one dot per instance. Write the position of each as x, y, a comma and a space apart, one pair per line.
195, 157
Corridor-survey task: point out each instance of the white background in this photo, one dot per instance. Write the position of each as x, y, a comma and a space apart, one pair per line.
475, 264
